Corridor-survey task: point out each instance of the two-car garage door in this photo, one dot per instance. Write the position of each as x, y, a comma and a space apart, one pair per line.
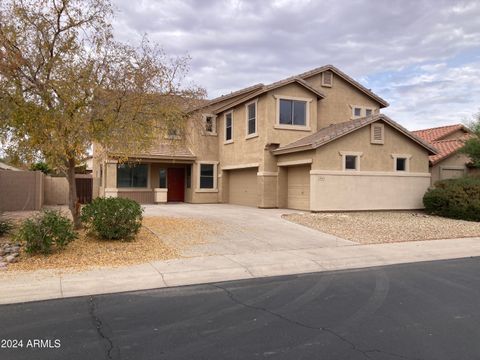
242, 187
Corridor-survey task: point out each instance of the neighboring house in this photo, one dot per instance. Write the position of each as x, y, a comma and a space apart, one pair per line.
315, 141
448, 163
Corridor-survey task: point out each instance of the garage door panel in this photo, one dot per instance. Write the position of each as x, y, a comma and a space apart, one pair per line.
298, 196
242, 187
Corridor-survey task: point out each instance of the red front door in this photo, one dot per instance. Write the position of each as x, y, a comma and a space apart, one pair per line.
176, 184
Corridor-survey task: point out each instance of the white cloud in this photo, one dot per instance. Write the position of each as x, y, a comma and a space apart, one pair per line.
236, 43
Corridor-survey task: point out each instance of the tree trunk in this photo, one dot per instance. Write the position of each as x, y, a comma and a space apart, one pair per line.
73, 203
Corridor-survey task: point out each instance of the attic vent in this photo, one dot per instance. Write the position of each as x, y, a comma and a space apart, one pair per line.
327, 79
377, 134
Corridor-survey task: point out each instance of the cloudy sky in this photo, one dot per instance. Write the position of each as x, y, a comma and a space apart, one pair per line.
423, 57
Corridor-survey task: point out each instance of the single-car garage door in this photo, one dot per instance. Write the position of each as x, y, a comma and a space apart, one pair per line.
298, 196
242, 187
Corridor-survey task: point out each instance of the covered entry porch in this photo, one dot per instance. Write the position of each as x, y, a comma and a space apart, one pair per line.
149, 181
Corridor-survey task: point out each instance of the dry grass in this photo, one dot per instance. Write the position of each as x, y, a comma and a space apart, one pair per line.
386, 227
160, 238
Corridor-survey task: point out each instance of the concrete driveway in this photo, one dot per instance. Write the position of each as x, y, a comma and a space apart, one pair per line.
246, 229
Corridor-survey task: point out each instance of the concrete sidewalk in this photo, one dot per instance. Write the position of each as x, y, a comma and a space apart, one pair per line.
42, 285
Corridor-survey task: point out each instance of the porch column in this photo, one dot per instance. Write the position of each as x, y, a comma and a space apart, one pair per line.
111, 178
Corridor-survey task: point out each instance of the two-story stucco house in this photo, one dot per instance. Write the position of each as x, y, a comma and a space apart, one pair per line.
316, 141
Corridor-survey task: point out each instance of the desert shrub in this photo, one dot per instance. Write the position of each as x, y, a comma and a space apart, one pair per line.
48, 231
113, 218
6, 225
455, 198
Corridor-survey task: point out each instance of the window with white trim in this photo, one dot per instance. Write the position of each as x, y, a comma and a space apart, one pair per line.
229, 127
351, 160
401, 162
368, 112
207, 176
357, 112
293, 112
251, 110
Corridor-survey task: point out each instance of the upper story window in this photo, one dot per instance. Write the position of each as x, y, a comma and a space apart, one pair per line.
132, 176
251, 119
229, 127
173, 133
293, 112
210, 124
368, 112
357, 111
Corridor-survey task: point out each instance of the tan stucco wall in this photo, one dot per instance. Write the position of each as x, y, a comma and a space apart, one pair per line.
375, 157
453, 161
366, 191
337, 105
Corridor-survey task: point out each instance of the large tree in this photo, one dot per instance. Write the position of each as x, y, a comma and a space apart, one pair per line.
66, 83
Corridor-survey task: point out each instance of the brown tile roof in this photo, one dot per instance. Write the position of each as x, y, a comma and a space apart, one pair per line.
347, 78
172, 150
437, 133
302, 76
335, 131
267, 88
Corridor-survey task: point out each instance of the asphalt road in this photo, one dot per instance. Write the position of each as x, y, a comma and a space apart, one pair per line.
413, 311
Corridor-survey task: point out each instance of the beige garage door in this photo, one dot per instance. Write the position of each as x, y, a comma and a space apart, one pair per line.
242, 187
298, 187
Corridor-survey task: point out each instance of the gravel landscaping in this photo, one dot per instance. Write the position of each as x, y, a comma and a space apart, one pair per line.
161, 238
386, 227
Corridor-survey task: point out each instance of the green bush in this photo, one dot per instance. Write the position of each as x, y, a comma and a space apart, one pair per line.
113, 218
45, 232
5, 226
455, 198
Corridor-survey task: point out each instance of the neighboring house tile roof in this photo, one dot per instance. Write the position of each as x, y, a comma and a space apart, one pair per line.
335, 131
445, 147
437, 133
267, 88
259, 87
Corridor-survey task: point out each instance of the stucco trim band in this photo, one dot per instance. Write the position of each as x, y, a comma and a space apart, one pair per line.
240, 166
294, 162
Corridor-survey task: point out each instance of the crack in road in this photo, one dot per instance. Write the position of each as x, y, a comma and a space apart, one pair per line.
365, 353
99, 327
